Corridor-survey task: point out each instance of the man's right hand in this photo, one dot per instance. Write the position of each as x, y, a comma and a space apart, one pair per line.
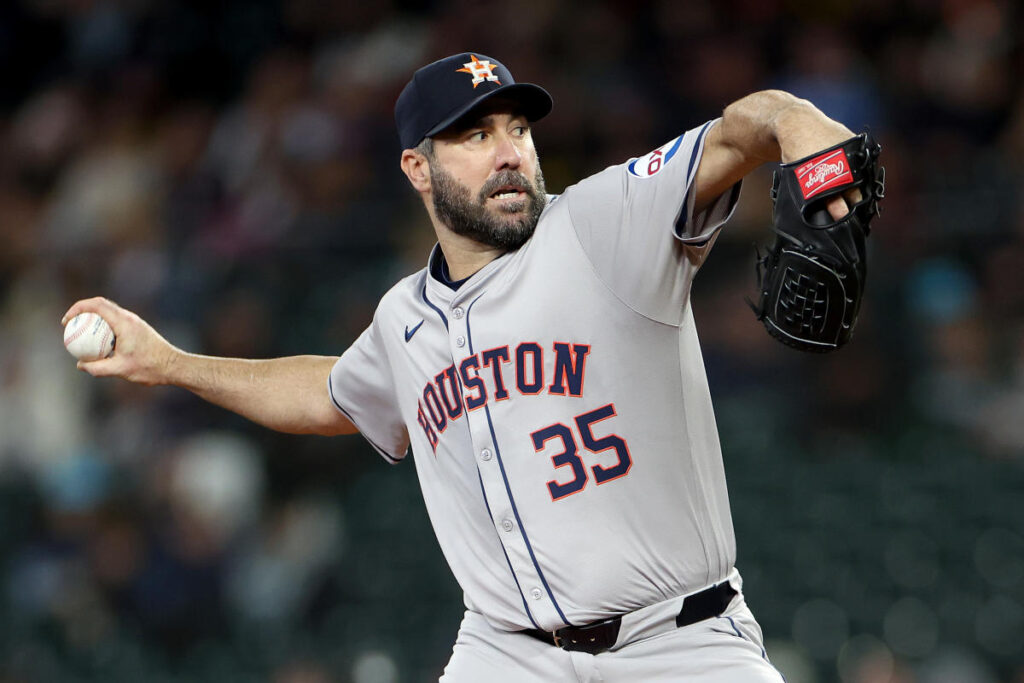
287, 394
141, 355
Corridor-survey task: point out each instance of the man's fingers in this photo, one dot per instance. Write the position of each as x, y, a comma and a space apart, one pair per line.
82, 306
106, 309
105, 367
837, 208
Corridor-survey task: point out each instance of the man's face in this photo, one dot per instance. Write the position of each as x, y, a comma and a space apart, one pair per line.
486, 180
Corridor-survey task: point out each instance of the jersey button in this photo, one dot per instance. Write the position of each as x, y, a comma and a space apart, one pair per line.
536, 594
460, 341
507, 525
485, 454
458, 313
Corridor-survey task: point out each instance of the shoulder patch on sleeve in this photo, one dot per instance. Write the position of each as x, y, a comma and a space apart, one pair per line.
650, 164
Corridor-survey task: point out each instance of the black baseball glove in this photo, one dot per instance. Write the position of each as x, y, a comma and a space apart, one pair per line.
812, 279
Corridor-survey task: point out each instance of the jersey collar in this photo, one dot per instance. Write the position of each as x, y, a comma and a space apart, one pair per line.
481, 279
437, 288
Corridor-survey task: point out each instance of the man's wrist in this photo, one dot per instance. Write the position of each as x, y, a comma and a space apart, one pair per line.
801, 129
169, 372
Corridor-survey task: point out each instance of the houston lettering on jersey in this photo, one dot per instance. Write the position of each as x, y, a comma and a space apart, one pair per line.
491, 375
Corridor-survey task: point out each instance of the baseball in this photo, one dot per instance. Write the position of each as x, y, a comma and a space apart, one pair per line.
87, 336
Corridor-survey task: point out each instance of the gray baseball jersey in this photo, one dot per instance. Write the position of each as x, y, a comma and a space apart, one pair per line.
557, 404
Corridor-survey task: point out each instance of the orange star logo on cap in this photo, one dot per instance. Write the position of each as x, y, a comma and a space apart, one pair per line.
481, 71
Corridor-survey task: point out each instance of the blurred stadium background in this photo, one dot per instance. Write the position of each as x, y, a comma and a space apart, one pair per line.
229, 171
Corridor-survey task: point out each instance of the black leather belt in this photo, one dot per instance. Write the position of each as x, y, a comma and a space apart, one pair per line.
601, 635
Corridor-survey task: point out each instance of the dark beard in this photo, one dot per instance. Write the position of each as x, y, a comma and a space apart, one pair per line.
454, 207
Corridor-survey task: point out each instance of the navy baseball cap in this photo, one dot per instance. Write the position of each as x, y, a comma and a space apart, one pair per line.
441, 93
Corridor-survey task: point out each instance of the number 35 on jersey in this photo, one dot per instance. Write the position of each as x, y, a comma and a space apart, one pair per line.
483, 377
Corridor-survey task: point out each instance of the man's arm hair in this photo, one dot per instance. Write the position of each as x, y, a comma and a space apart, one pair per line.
285, 394
765, 126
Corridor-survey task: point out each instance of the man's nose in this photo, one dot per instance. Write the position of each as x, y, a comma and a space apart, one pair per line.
507, 155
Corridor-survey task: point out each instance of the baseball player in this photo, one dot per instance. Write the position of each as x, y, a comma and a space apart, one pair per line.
545, 371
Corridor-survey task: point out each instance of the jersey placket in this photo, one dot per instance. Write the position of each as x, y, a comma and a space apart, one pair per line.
538, 600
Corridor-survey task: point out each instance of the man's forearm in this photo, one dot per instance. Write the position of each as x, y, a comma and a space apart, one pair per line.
773, 125
284, 394
766, 126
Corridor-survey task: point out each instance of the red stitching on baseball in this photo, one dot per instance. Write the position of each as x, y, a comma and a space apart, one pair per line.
103, 344
77, 333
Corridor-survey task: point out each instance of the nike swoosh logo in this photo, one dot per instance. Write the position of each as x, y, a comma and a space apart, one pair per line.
409, 333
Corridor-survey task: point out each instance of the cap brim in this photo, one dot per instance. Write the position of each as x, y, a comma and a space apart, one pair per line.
535, 101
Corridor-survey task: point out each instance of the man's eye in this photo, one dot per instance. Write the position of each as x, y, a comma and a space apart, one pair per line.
479, 136
520, 131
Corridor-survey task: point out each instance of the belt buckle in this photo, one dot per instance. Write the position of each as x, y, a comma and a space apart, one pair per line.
593, 638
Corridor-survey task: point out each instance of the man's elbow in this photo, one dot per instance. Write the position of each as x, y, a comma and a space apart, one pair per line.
327, 421
335, 425
340, 429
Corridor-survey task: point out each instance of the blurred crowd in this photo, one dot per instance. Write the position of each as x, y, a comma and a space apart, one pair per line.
229, 171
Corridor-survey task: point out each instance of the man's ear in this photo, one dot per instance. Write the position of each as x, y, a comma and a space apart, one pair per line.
417, 169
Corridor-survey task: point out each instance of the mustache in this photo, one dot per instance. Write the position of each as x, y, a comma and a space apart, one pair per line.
506, 178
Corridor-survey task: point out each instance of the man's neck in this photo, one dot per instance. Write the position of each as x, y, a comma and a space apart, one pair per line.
464, 255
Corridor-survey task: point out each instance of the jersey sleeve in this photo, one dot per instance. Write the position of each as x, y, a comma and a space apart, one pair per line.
362, 387
636, 223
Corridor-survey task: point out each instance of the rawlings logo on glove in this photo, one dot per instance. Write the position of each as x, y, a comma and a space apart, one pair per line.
823, 172
811, 281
